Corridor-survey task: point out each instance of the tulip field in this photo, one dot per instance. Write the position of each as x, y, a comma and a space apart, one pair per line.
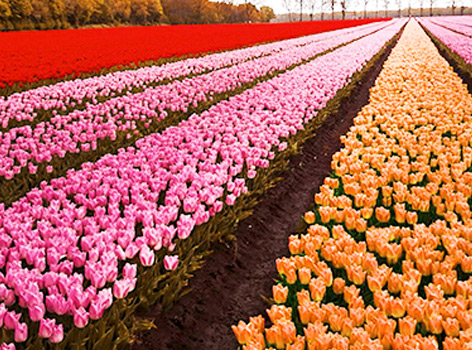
385, 260
115, 187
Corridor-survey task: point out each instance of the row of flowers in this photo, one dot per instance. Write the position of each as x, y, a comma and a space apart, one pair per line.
52, 147
458, 43
65, 96
460, 24
386, 260
45, 57
76, 245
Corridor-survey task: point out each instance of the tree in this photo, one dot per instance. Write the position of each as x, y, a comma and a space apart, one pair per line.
311, 4
267, 13
366, 2
5, 11
421, 3
300, 4
431, 3
453, 6
333, 3
344, 5
288, 4
386, 3
120, 10
399, 7
21, 9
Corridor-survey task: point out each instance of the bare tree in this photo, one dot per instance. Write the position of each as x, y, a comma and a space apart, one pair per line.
399, 7
322, 7
421, 3
377, 8
300, 3
453, 6
431, 3
366, 2
333, 3
386, 3
288, 4
311, 4
344, 5
409, 8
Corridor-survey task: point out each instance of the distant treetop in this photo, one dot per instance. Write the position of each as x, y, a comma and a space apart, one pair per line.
49, 14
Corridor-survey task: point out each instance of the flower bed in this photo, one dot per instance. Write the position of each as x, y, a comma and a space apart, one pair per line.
384, 261
458, 43
99, 228
32, 105
49, 54
34, 153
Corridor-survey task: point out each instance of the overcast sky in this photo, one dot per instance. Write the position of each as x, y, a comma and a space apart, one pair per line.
279, 8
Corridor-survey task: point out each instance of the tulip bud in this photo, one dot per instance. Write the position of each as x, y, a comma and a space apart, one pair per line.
171, 262
310, 217
280, 293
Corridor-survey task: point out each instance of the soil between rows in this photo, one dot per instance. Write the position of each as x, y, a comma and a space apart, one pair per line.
237, 274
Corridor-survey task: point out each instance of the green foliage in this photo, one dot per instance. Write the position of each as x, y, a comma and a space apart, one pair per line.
51, 14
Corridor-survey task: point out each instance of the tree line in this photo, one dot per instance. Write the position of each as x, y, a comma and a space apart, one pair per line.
54, 14
326, 8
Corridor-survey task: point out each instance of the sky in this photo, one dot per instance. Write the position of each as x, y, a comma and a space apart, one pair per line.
279, 8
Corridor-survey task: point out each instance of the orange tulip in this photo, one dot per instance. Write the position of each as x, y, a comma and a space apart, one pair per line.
244, 332
375, 283
350, 293
304, 275
338, 285
279, 312
411, 217
299, 344
395, 283
295, 245
382, 214
407, 325
434, 324
280, 293
451, 327
367, 213
397, 308
317, 289
452, 344
310, 217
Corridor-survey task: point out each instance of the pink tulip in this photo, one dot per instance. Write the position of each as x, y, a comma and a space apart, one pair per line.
37, 312
10, 320
21, 332
46, 327
81, 317
57, 334
171, 262
146, 256
185, 226
129, 271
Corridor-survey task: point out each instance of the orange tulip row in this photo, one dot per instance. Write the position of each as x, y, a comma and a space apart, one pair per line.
386, 262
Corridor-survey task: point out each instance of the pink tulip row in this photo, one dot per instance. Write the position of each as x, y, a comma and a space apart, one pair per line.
88, 219
462, 24
80, 130
460, 44
65, 95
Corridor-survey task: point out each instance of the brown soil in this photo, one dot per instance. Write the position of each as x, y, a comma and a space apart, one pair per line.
234, 278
